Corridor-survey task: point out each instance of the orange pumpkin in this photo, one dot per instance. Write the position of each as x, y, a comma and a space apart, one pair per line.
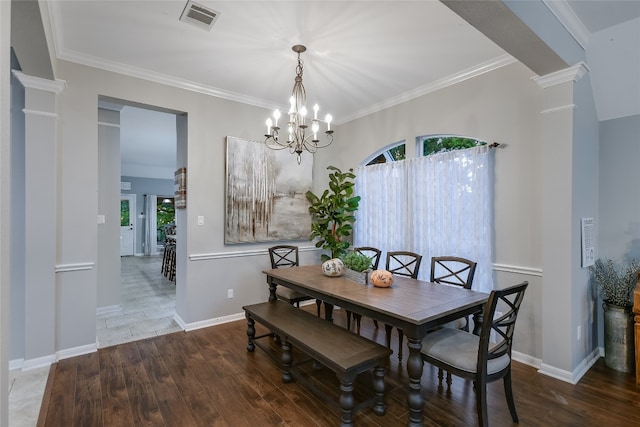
381, 278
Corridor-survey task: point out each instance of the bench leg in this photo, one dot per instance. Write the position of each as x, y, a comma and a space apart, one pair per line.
379, 407
251, 334
287, 361
347, 401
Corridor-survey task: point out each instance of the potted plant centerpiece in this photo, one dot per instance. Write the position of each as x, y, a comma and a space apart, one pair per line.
357, 266
616, 285
332, 214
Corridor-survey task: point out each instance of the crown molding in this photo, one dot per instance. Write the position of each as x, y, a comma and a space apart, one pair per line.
569, 20
152, 76
573, 73
482, 68
55, 86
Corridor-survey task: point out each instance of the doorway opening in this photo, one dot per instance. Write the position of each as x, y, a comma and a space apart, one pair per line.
146, 138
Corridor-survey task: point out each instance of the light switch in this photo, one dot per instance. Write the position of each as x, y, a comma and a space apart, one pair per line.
200, 220
101, 219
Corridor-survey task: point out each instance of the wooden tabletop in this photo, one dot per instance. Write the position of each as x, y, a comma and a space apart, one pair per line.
407, 302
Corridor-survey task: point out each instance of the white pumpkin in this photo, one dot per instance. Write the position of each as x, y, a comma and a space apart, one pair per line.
333, 267
381, 278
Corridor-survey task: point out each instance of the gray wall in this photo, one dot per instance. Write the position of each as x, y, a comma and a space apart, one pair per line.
619, 200
17, 273
108, 265
140, 187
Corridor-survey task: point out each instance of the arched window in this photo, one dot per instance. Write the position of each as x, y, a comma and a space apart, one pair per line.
431, 144
390, 153
426, 145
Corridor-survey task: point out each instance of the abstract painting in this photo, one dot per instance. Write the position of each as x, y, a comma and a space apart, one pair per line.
265, 199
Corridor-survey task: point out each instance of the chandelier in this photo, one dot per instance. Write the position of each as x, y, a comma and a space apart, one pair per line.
297, 138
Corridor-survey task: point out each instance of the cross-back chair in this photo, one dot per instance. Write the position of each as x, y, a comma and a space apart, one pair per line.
452, 270
286, 256
401, 263
475, 357
374, 254
458, 271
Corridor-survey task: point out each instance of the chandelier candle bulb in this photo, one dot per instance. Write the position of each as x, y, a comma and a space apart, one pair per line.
328, 119
315, 112
276, 115
269, 124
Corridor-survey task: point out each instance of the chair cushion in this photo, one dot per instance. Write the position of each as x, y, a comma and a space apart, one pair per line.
459, 349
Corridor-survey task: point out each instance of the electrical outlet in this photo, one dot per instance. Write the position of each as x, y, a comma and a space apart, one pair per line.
579, 333
229, 293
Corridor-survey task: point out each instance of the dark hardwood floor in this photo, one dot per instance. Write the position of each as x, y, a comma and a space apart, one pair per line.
207, 378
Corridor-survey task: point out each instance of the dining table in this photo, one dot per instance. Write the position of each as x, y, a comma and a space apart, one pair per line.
414, 306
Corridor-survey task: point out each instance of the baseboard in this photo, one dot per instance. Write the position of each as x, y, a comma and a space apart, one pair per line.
206, 323
38, 362
526, 359
586, 364
16, 364
108, 309
574, 376
76, 351
43, 361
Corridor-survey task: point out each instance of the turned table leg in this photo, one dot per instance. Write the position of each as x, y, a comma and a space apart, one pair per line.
414, 369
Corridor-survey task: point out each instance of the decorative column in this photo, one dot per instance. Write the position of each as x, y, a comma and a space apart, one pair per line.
560, 242
40, 218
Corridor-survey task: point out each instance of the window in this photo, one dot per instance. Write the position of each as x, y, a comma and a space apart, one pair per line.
390, 153
432, 205
165, 214
431, 144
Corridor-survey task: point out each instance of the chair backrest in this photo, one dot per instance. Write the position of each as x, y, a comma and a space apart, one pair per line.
373, 253
283, 256
507, 303
452, 270
404, 263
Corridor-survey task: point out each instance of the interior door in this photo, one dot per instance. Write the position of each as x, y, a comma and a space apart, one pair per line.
127, 224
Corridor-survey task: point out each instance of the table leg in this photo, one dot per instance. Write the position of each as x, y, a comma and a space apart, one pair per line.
477, 322
272, 290
328, 311
414, 369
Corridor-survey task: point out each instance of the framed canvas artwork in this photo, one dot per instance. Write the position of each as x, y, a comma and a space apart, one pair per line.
180, 192
265, 193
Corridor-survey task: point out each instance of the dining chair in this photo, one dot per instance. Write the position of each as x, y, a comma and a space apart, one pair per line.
286, 256
457, 271
452, 270
477, 358
401, 263
374, 254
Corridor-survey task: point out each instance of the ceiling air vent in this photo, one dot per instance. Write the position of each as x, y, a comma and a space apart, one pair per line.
199, 15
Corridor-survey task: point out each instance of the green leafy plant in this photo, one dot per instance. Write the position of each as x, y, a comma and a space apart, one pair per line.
616, 282
332, 213
356, 261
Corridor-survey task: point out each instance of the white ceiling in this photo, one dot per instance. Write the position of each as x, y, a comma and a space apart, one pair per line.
362, 55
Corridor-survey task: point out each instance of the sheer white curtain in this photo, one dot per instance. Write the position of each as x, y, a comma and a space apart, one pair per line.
150, 233
442, 205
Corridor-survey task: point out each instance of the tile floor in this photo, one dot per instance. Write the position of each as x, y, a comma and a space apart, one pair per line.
147, 309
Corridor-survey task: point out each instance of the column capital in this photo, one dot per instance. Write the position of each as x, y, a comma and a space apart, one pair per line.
55, 86
573, 73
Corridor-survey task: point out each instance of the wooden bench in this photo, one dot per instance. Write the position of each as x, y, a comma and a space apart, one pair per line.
339, 349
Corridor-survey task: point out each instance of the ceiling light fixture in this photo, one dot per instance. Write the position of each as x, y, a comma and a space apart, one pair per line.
297, 138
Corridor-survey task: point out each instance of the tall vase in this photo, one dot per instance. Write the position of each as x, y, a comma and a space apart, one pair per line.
618, 337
